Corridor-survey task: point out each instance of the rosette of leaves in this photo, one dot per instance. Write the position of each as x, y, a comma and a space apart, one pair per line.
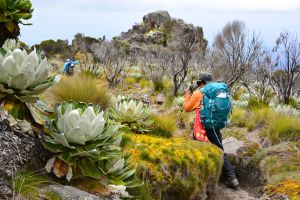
119, 99
85, 143
133, 115
12, 12
178, 102
23, 77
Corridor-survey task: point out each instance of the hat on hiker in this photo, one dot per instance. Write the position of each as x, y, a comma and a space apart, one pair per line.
205, 77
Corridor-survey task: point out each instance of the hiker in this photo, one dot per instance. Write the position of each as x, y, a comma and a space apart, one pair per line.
69, 66
194, 101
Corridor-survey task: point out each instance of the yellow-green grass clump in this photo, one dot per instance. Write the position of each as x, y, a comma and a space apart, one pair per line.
174, 168
277, 127
164, 125
145, 83
83, 88
130, 80
27, 185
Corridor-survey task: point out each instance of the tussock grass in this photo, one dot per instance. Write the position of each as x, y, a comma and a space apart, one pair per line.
239, 117
81, 87
277, 127
26, 185
145, 83
283, 128
160, 83
130, 80
164, 125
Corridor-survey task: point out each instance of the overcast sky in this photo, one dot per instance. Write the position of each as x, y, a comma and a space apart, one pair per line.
62, 19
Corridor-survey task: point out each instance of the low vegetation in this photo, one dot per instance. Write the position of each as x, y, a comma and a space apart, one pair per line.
278, 127
84, 143
27, 185
132, 114
175, 167
280, 167
81, 87
164, 125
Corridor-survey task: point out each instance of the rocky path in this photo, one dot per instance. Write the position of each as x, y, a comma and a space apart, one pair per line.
253, 136
224, 193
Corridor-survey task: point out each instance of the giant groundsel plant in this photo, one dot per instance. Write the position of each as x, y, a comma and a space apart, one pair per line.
12, 12
83, 139
131, 114
23, 77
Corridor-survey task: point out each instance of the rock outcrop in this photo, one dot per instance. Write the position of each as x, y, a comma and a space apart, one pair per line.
156, 19
66, 192
157, 28
19, 148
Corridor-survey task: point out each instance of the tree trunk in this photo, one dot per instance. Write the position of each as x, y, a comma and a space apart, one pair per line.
286, 100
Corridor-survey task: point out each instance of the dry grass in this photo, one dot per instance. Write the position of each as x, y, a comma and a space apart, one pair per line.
81, 87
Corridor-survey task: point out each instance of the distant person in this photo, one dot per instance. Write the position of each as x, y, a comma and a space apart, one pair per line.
69, 66
193, 101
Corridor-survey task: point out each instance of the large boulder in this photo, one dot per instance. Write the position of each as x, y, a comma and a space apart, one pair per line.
19, 148
231, 145
158, 18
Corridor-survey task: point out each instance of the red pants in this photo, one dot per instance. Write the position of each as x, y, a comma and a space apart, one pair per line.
199, 131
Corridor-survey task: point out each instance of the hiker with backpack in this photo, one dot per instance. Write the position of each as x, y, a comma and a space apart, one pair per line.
212, 105
69, 66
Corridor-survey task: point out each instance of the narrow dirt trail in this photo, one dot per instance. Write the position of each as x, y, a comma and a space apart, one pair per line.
253, 136
225, 193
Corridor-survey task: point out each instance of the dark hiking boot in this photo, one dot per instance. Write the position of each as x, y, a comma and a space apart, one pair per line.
233, 183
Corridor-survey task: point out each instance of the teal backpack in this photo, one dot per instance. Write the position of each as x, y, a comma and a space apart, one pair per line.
216, 105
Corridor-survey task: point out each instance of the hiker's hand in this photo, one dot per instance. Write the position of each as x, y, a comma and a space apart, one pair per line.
187, 92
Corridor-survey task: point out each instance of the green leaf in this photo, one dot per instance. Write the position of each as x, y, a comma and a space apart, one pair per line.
3, 5
52, 147
89, 168
67, 157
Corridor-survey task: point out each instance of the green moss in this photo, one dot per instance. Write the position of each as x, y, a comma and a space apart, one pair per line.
49, 195
174, 166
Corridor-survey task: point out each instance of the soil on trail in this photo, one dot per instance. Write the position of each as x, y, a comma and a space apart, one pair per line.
225, 193
253, 136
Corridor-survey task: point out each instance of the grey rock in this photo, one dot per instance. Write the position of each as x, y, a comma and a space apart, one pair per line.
160, 99
72, 193
157, 18
231, 145
18, 149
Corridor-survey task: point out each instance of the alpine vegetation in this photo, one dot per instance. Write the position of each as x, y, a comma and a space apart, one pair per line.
23, 77
178, 102
132, 114
86, 144
13, 13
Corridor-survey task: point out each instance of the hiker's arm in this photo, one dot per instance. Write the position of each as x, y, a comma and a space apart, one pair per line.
191, 102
